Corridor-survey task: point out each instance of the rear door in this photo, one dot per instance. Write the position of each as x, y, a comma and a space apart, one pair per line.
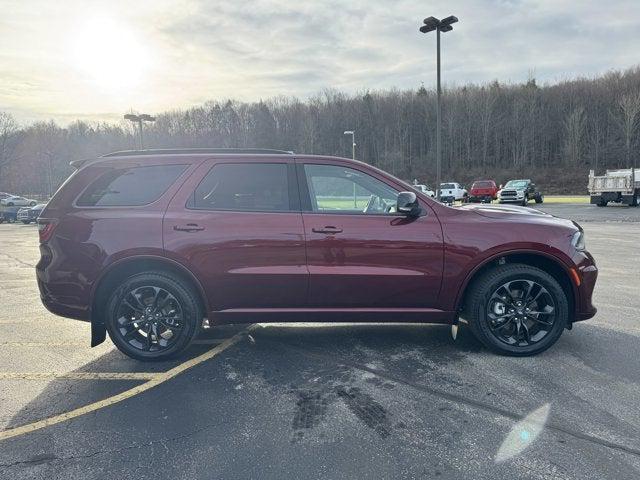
237, 225
360, 253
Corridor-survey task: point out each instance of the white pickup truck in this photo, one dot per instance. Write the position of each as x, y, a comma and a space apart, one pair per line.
450, 192
620, 186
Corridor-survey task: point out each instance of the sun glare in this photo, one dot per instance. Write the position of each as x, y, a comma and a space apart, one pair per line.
109, 54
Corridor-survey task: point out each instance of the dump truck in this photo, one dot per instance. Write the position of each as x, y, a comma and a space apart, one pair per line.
619, 186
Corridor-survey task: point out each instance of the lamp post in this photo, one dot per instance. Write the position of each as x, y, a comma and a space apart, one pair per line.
353, 156
353, 142
444, 25
143, 117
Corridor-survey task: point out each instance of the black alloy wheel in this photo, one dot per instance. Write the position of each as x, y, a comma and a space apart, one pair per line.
153, 316
517, 309
521, 312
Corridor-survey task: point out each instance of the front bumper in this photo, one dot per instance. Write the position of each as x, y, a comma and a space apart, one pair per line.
481, 198
588, 274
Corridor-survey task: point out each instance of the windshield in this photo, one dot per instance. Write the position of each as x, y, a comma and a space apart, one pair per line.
482, 185
516, 184
447, 185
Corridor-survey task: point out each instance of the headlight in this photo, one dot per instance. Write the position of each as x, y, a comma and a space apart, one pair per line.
578, 240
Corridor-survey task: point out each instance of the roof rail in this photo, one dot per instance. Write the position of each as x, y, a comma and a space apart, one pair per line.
178, 151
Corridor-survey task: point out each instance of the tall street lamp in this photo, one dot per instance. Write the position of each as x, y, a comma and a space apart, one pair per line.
353, 142
143, 117
353, 156
444, 25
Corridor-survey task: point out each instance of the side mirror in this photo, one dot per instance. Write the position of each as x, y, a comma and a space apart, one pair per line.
407, 204
500, 187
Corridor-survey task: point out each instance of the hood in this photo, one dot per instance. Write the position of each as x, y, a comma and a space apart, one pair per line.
516, 213
500, 211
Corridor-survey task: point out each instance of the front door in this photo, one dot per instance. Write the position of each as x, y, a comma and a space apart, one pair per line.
360, 252
238, 228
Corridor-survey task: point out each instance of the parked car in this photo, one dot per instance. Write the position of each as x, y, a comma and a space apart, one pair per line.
8, 214
520, 191
483, 191
618, 186
30, 214
17, 201
253, 236
425, 189
449, 192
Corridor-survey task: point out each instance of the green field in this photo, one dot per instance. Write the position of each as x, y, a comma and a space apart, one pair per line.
361, 202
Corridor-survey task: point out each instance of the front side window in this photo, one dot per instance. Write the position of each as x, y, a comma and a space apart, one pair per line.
130, 187
258, 187
336, 189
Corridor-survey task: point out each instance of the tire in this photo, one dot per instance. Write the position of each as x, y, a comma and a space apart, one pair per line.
26, 222
525, 202
10, 204
135, 339
550, 326
539, 198
32, 204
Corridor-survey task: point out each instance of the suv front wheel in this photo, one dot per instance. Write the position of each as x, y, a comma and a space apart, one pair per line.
152, 316
516, 309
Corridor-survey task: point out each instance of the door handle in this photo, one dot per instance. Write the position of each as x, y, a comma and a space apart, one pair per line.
328, 229
189, 227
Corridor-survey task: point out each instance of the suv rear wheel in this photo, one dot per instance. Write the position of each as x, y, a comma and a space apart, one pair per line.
152, 316
517, 310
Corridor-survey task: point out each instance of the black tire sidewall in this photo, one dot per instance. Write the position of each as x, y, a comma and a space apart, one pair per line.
181, 291
480, 326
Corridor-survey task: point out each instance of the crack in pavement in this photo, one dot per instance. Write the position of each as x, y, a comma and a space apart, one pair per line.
17, 260
40, 460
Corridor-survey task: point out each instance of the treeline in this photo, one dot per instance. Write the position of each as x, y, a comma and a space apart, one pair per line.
554, 132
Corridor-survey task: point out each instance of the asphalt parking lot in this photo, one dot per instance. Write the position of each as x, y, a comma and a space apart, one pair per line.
326, 401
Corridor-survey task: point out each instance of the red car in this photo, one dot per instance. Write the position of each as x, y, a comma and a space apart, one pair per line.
146, 245
483, 191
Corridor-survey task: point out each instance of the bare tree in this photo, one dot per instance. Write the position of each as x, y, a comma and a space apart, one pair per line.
629, 105
574, 133
8, 136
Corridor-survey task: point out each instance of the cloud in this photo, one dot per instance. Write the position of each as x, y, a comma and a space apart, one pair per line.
201, 50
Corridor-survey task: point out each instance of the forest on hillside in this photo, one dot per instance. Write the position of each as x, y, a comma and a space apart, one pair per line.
553, 133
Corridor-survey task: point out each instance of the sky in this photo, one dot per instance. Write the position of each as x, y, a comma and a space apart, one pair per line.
96, 59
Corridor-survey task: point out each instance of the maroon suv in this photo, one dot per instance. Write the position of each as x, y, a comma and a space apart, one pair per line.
146, 245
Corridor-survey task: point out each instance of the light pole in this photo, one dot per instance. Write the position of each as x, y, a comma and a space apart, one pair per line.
444, 25
353, 142
353, 156
143, 117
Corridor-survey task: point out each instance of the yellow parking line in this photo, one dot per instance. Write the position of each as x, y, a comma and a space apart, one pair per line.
78, 375
154, 382
42, 344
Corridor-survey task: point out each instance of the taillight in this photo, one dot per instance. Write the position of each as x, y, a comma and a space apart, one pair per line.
46, 228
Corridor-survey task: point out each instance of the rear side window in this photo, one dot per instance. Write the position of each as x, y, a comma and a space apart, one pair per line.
257, 187
130, 187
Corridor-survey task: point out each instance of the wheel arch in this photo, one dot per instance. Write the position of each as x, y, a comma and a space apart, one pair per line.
126, 267
544, 261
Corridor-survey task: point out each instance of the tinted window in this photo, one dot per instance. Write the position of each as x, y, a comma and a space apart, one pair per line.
130, 187
260, 187
482, 185
516, 184
336, 189
449, 186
